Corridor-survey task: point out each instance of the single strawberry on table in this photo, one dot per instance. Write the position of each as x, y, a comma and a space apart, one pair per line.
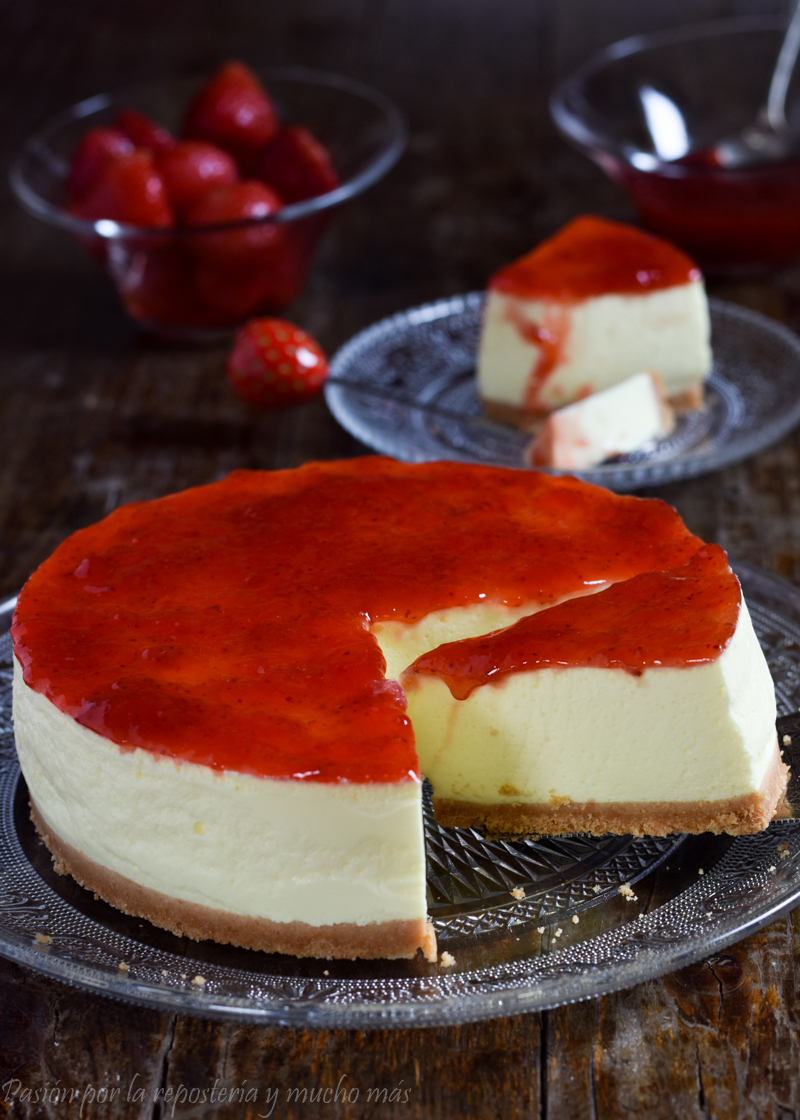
274, 363
233, 111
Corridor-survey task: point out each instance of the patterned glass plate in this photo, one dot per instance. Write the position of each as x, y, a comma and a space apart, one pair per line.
420, 401
531, 923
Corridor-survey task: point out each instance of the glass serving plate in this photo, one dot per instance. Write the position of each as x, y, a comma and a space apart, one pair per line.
531, 923
420, 402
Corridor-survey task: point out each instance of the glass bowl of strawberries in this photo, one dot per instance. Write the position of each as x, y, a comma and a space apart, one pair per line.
205, 200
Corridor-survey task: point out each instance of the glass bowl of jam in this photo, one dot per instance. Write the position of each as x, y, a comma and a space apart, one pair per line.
195, 278
650, 111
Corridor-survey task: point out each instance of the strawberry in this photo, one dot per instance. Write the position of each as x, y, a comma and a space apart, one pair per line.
234, 268
191, 167
235, 202
94, 152
130, 191
233, 111
297, 165
143, 132
274, 363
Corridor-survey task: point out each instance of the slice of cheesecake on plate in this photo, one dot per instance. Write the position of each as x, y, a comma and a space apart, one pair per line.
591, 306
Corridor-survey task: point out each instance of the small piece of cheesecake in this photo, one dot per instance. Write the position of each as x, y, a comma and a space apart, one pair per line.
612, 422
593, 305
210, 719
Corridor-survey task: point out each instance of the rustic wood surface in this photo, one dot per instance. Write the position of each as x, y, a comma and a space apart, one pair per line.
92, 415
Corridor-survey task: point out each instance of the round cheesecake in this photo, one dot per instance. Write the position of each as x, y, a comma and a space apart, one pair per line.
225, 699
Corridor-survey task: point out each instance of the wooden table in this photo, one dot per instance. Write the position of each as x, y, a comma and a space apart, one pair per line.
92, 415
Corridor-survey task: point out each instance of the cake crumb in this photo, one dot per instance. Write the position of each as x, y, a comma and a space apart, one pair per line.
43, 938
709, 914
540, 929
164, 972
575, 919
596, 888
124, 966
641, 914
518, 892
787, 740
782, 845
325, 972
184, 976
785, 854
559, 931
700, 871
199, 981
552, 941
447, 959
773, 869
627, 893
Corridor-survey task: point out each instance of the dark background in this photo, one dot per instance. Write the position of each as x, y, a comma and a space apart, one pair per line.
92, 414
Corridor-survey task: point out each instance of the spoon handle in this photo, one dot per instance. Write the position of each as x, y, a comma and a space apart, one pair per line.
775, 111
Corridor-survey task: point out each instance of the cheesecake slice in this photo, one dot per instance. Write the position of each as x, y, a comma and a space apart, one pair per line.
647, 708
588, 308
612, 422
210, 718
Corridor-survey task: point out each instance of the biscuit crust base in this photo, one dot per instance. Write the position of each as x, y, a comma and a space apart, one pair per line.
736, 816
342, 941
532, 421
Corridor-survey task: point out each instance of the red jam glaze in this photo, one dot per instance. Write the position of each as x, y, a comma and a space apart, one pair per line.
685, 616
593, 257
227, 625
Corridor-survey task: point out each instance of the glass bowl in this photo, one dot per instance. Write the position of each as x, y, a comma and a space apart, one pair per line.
177, 282
715, 75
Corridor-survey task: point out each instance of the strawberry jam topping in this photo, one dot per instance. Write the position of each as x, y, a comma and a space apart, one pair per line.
685, 616
594, 257
229, 625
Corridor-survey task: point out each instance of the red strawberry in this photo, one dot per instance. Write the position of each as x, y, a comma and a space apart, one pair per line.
130, 191
235, 202
297, 165
143, 132
96, 149
233, 111
274, 363
191, 167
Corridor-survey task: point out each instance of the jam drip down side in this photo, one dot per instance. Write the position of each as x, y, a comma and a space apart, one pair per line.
675, 619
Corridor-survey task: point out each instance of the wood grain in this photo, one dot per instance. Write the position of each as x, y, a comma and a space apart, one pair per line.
92, 415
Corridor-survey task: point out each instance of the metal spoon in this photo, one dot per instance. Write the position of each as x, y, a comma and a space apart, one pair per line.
768, 137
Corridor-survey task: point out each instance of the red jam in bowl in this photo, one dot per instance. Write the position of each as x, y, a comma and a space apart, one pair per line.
727, 218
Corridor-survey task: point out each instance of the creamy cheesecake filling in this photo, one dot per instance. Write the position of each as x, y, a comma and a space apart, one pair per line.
602, 341
318, 853
343, 940
584, 734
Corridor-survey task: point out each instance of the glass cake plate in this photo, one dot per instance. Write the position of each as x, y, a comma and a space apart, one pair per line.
419, 399
531, 923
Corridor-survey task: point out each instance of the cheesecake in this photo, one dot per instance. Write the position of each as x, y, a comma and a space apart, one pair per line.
225, 700
612, 422
590, 307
